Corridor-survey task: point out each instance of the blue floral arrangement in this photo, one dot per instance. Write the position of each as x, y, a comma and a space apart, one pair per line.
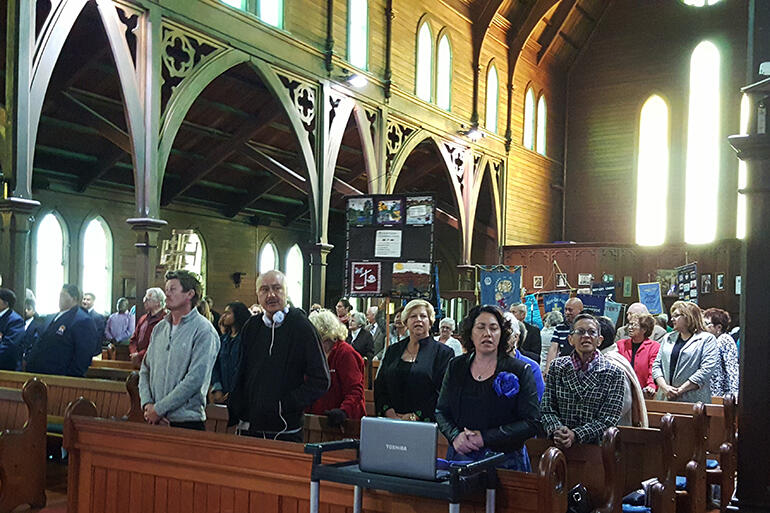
506, 384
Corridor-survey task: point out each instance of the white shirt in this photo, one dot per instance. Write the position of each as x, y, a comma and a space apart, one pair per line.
354, 334
28, 322
3, 312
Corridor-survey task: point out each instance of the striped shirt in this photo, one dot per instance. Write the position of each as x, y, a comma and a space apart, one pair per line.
560, 335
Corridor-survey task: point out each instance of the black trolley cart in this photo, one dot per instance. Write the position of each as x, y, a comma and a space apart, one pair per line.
462, 482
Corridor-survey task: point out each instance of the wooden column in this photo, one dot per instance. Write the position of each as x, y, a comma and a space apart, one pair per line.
16, 222
318, 253
146, 251
753, 490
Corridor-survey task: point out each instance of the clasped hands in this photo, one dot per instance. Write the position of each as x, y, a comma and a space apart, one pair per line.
468, 441
671, 392
564, 437
152, 417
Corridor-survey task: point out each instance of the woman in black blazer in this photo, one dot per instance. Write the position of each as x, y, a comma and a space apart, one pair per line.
409, 377
488, 400
360, 337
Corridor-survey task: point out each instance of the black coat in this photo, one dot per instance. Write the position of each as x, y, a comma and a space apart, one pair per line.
363, 343
12, 333
532, 344
513, 420
423, 382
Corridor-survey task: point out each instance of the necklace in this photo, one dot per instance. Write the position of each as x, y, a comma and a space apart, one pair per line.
484, 372
412, 356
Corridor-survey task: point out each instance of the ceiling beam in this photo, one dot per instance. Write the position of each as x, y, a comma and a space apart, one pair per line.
104, 126
297, 213
587, 15
279, 170
220, 153
568, 40
105, 163
554, 26
254, 193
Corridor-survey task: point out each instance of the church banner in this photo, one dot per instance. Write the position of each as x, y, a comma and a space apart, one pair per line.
500, 286
533, 311
649, 296
612, 310
555, 301
592, 304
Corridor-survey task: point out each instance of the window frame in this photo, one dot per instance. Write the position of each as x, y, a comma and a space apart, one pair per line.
281, 8
444, 33
110, 241
300, 303
365, 67
425, 22
543, 125
532, 122
492, 66
65, 250
276, 255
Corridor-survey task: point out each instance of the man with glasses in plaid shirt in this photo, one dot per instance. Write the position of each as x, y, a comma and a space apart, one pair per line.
584, 391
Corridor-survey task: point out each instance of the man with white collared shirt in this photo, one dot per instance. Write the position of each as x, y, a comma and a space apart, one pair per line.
378, 334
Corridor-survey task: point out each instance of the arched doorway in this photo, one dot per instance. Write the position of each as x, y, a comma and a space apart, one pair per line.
484, 248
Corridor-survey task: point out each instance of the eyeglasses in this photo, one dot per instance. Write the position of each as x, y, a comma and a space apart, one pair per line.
709, 324
581, 332
676, 316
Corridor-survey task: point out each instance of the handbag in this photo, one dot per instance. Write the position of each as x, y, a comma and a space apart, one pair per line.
578, 500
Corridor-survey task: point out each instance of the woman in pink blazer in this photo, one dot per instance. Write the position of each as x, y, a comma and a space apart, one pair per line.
641, 351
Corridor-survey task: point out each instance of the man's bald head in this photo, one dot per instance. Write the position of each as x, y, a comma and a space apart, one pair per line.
572, 308
636, 309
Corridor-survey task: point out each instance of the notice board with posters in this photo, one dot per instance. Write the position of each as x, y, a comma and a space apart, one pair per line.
389, 245
687, 282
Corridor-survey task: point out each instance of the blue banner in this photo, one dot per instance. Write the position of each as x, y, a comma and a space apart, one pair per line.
649, 296
612, 310
555, 301
533, 311
603, 289
592, 304
500, 287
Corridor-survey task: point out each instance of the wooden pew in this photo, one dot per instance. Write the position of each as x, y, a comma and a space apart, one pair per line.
597, 467
109, 373
369, 402
112, 364
22, 446
173, 470
111, 398
719, 439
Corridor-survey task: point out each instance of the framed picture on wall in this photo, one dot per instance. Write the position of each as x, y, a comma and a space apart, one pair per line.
584, 279
129, 288
561, 280
705, 283
537, 282
720, 283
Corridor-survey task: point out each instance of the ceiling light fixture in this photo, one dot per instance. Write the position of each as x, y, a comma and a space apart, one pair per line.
473, 133
357, 80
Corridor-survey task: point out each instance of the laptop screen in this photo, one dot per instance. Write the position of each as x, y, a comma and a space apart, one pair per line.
398, 447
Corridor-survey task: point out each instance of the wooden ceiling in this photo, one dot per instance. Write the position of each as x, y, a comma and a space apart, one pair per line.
223, 157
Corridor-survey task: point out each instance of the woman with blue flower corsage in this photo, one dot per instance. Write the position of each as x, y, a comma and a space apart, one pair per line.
488, 400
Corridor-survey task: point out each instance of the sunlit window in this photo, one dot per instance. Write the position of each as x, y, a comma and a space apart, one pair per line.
239, 4
703, 141
96, 266
740, 229
652, 173
529, 119
424, 62
268, 258
50, 263
195, 257
700, 3
271, 12
295, 269
358, 37
541, 118
492, 90
444, 73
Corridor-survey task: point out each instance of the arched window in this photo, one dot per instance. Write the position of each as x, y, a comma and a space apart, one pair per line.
96, 263
195, 257
238, 4
358, 33
295, 270
423, 84
529, 119
652, 173
700, 3
740, 229
492, 90
703, 142
50, 262
268, 258
541, 119
271, 12
444, 74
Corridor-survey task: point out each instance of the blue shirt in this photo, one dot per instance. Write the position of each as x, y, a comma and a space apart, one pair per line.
536, 372
228, 362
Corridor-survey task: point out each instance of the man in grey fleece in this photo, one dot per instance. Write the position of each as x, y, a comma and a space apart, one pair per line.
176, 369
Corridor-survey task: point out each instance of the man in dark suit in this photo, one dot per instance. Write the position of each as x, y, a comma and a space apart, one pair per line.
99, 320
530, 341
67, 343
33, 328
11, 331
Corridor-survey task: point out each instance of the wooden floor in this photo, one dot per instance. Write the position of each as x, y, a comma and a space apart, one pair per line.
55, 491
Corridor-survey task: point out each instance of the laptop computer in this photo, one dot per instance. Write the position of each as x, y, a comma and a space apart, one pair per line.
399, 448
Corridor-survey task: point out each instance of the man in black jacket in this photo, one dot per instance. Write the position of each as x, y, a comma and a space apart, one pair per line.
283, 367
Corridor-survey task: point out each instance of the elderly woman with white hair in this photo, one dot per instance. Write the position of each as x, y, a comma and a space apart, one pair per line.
155, 308
445, 329
522, 355
358, 336
410, 375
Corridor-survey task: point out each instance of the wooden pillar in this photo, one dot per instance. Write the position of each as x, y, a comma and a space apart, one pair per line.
16, 222
318, 253
147, 257
753, 490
